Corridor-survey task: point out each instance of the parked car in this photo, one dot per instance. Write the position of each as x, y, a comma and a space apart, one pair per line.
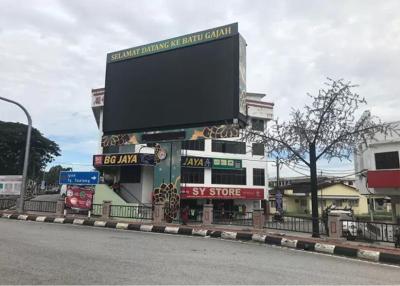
63, 190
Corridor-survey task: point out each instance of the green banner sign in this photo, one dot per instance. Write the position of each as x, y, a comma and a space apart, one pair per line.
174, 43
226, 164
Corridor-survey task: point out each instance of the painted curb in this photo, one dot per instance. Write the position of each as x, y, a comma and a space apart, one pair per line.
100, 223
289, 243
171, 229
331, 249
121, 225
325, 248
258, 237
22, 217
78, 221
228, 235
59, 220
199, 232
146, 228
368, 255
40, 218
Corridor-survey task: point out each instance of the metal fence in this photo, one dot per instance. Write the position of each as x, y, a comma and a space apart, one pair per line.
136, 212
293, 223
196, 217
97, 209
371, 231
40, 206
233, 218
7, 203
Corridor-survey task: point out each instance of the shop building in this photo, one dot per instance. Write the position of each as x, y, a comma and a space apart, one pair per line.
228, 173
378, 172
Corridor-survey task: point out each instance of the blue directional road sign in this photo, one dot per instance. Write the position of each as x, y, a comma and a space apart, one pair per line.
78, 178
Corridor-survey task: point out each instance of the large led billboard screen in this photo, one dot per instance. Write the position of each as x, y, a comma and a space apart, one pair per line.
187, 81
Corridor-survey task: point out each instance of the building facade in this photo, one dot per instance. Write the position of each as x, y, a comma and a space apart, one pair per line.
378, 172
229, 173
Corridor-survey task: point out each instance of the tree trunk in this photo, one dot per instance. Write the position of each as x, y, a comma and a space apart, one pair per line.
314, 191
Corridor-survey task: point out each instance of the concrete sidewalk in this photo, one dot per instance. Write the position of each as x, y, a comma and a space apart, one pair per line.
302, 241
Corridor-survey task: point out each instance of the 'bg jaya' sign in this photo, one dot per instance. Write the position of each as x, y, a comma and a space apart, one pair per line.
221, 193
123, 159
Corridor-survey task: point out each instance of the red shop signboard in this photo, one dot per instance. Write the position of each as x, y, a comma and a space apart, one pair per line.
221, 193
79, 198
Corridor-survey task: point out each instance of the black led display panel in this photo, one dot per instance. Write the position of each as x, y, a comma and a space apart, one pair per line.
186, 87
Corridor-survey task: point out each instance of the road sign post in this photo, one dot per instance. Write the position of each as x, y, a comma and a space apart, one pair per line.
79, 178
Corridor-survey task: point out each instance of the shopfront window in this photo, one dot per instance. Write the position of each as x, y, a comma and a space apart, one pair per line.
192, 175
229, 147
110, 149
258, 177
229, 177
257, 124
258, 149
193, 145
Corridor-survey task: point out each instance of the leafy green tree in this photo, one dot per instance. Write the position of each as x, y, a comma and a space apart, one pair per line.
52, 176
12, 150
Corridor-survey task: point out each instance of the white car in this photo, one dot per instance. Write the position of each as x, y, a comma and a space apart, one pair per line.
63, 190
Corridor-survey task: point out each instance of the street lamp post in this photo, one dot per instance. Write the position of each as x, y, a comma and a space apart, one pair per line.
20, 207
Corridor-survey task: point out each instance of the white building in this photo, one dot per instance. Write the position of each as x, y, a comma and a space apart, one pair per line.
378, 171
239, 181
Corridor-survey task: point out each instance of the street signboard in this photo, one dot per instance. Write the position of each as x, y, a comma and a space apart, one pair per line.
78, 178
10, 185
79, 198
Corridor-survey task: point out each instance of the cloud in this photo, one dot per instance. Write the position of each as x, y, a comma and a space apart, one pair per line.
53, 52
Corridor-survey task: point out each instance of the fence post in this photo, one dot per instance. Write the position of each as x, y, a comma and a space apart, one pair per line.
60, 207
207, 214
18, 202
158, 214
335, 226
258, 218
106, 209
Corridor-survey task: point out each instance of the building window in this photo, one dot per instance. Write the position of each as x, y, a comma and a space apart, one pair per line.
258, 149
127, 149
229, 177
353, 203
229, 147
110, 149
257, 124
387, 160
258, 177
130, 174
193, 145
192, 175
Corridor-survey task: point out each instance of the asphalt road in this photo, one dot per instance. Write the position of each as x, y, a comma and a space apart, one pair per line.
43, 253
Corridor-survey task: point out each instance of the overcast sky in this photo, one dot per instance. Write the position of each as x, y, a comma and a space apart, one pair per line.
54, 52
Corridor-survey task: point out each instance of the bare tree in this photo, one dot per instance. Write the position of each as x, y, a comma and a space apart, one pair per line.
325, 129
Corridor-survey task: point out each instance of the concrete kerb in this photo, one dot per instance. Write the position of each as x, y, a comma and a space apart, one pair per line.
303, 244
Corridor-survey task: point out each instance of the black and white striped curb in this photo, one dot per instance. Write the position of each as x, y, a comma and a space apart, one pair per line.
332, 249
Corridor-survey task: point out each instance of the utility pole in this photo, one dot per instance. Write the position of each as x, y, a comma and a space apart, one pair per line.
20, 207
322, 200
277, 173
